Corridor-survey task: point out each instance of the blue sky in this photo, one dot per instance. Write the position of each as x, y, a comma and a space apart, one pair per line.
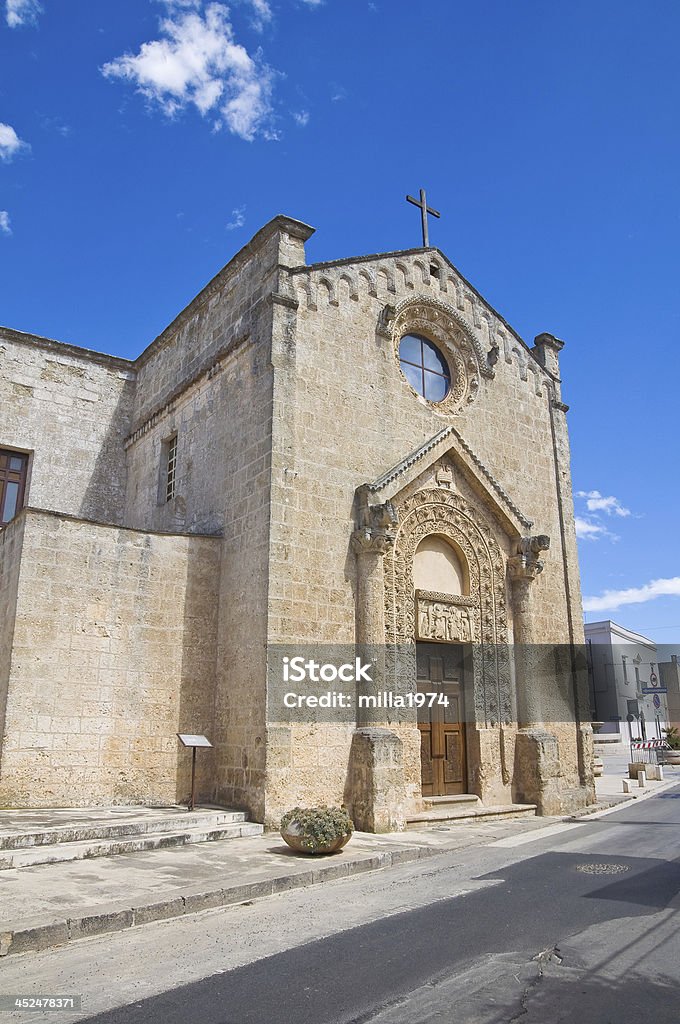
143, 142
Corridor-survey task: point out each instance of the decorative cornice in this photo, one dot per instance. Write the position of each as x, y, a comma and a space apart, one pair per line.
396, 254
277, 299
105, 524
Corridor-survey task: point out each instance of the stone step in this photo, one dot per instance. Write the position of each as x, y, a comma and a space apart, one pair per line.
452, 814
18, 838
70, 851
462, 799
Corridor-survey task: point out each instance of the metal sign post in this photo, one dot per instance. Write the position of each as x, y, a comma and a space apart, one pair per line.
194, 742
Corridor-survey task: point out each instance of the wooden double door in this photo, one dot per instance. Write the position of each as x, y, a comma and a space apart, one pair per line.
441, 719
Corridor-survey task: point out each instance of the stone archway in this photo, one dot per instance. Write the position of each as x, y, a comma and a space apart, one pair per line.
434, 511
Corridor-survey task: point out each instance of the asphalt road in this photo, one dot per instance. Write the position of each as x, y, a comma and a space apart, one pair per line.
580, 926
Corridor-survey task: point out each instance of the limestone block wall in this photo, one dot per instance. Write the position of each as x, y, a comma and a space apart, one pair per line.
114, 653
11, 543
71, 409
223, 475
217, 320
208, 378
196, 418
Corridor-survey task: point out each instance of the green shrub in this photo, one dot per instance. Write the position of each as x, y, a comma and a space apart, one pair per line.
318, 826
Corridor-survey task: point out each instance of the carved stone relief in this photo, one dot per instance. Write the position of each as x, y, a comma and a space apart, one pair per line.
445, 617
446, 513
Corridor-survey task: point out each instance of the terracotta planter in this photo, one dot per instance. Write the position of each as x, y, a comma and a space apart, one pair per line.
671, 757
292, 836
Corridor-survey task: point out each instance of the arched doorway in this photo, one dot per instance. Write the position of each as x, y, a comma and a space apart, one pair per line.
443, 627
481, 621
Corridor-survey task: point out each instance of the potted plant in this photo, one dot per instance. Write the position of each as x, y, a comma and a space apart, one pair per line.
672, 735
317, 829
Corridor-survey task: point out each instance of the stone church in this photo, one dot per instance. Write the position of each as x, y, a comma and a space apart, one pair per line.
357, 452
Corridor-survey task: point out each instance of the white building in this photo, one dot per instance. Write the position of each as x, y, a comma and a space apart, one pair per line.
624, 675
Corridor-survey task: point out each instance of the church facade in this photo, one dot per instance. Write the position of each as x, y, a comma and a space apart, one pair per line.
358, 453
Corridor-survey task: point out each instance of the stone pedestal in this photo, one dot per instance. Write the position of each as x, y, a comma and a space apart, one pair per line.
586, 760
537, 770
376, 794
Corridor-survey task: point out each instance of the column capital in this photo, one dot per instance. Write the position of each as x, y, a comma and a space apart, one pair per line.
375, 532
525, 564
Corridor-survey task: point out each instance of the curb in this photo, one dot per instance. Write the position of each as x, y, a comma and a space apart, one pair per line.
604, 806
35, 935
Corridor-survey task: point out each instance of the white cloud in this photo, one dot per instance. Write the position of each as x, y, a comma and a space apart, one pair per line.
19, 12
313, 3
597, 502
22, 12
238, 218
588, 530
10, 143
5, 226
301, 117
610, 600
197, 61
54, 124
262, 13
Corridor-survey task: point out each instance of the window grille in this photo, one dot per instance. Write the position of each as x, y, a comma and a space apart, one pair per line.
171, 469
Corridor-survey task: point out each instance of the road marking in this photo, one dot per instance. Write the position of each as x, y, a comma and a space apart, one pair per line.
539, 833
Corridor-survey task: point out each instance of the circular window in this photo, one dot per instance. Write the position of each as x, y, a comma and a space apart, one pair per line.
424, 367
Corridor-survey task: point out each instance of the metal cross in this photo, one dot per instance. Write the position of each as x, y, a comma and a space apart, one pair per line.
424, 210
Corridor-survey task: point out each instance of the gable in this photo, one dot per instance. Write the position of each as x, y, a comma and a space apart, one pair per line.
447, 443
388, 279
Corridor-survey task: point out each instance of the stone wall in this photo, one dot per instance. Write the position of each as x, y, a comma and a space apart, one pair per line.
114, 653
208, 378
70, 409
11, 543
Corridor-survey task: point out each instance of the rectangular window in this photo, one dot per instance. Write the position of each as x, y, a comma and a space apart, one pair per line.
13, 471
170, 468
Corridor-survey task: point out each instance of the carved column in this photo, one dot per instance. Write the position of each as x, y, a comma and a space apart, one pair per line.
373, 538
537, 768
524, 567
370, 550
376, 788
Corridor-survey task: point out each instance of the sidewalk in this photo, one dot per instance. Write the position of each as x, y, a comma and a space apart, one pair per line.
51, 904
